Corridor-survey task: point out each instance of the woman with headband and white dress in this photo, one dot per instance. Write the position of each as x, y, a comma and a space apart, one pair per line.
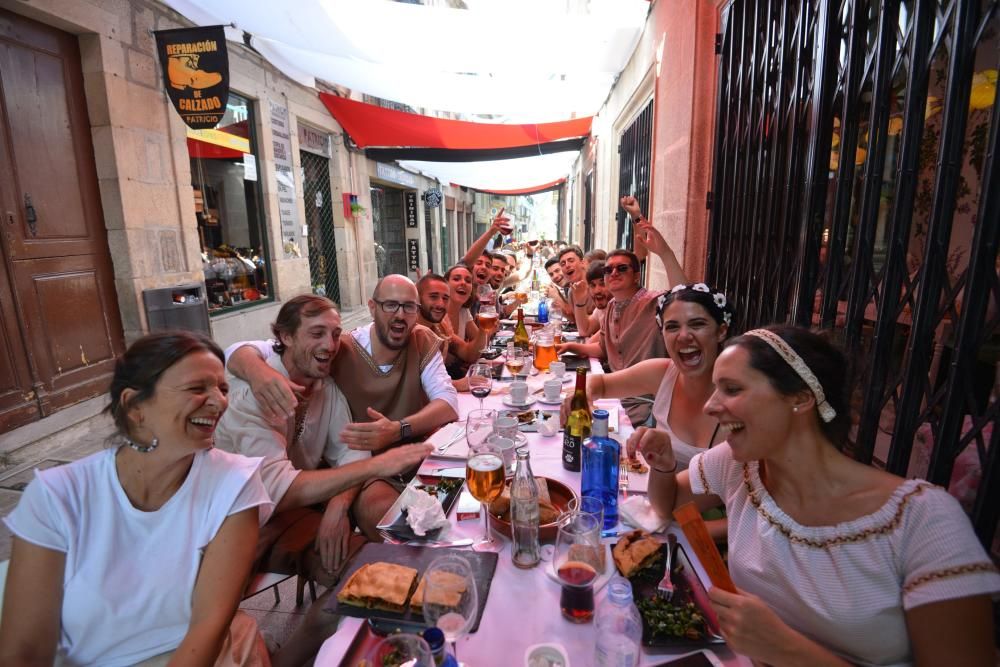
836, 562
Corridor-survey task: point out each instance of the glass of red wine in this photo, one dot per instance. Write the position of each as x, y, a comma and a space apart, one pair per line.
480, 381
579, 559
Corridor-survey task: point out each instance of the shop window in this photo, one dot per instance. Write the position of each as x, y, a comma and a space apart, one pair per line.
227, 202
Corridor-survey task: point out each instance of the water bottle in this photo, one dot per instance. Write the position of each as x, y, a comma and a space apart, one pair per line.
601, 457
543, 311
525, 551
619, 627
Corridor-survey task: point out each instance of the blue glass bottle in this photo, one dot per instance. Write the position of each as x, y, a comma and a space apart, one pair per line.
543, 311
601, 455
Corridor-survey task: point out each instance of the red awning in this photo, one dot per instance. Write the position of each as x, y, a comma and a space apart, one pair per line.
374, 126
526, 191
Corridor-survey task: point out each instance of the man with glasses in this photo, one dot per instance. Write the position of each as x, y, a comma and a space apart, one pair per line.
393, 377
628, 330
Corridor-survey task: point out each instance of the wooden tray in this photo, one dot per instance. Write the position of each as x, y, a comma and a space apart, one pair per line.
484, 565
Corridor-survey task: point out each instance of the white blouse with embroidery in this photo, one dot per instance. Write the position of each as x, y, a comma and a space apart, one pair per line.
847, 586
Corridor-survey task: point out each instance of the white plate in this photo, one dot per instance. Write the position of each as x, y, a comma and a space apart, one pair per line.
558, 401
511, 404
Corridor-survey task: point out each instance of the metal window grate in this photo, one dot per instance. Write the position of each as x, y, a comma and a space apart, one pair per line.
319, 218
854, 142
634, 163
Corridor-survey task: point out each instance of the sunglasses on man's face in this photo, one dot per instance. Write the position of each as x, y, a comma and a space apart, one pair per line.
616, 268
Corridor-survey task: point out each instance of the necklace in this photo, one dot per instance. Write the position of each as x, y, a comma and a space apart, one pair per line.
300, 418
143, 449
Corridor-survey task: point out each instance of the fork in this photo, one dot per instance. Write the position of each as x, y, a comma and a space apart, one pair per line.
665, 589
623, 479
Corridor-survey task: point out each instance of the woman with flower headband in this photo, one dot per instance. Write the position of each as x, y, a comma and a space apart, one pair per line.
836, 562
694, 320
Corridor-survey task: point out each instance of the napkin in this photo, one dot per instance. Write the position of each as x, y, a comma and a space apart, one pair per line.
639, 513
447, 433
423, 511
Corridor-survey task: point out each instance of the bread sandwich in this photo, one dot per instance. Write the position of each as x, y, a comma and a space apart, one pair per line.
379, 586
635, 550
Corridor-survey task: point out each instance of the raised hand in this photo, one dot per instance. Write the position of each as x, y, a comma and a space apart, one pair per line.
275, 393
655, 446
651, 237
631, 206
579, 291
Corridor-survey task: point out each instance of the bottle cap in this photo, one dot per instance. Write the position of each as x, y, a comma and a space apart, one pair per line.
619, 591
600, 414
434, 638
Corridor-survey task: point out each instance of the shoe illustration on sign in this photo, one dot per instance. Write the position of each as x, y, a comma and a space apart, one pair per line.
183, 72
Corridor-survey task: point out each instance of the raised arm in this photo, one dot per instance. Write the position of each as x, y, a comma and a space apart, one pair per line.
32, 605
479, 245
648, 238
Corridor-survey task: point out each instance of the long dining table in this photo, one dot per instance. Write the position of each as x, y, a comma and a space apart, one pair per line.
523, 605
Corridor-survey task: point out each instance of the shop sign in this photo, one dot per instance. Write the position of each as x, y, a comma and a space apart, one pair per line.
281, 143
410, 208
413, 254
314, 141
387, 172
195, 66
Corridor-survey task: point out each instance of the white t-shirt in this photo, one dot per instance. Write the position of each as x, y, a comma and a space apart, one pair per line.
847, 586
128, 586
434, 377
244, 430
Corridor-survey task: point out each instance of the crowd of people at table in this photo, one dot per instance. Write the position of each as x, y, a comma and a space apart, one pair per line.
140, 554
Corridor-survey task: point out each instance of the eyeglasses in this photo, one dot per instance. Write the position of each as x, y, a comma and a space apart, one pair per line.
616, 268
410, 308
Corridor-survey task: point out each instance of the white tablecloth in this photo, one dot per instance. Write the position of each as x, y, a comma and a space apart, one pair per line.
523, 605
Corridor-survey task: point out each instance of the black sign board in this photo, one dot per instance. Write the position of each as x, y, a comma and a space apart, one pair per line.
413, 254
410, 206
195, 66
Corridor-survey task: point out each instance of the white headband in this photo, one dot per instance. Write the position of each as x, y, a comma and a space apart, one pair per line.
792, 358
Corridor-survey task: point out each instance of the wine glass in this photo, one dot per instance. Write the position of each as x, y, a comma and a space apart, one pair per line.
515, 360
578, 560
480, 381
484, 475
401, 650
488, 320
451, 601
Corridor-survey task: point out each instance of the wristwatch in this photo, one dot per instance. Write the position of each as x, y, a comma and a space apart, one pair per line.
405, 430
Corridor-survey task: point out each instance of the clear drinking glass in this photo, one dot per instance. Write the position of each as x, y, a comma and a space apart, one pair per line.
479, 425
400, 650
578, 560
484, 475
489, 321
451, 600
480, 381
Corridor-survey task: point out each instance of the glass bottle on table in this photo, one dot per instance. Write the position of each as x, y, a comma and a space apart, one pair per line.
601, 456
525, 551
578, 424
619, 627
521, 337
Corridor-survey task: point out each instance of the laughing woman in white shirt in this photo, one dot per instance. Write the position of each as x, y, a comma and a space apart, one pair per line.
140, 552
836, 562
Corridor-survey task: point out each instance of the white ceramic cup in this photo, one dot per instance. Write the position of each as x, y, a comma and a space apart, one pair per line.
552, 389
506, 426
518, 392
557, 368
505, 445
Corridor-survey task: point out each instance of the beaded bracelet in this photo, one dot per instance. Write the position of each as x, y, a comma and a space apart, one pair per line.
666, 472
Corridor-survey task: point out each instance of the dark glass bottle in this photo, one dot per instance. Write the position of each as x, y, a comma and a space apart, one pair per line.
578, 423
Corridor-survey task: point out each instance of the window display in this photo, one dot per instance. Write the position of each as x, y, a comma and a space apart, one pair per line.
228, 208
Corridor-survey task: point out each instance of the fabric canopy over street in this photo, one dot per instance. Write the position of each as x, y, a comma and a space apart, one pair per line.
542, 66
523, 60
403, 135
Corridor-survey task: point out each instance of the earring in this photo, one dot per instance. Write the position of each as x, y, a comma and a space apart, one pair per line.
795, 408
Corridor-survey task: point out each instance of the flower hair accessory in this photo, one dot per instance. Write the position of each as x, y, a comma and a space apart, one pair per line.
792, 358
719, 306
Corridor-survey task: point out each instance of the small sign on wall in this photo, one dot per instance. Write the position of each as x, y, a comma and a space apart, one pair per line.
413, 254
410, 208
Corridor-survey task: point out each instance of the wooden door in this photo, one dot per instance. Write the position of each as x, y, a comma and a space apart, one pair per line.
59, 319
